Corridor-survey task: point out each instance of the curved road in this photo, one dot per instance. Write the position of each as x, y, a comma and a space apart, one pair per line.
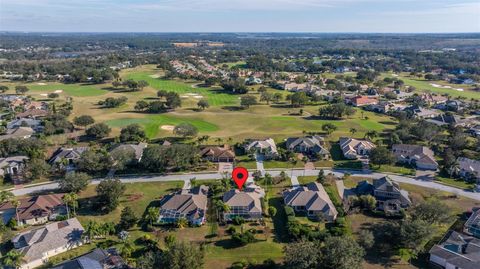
274, 172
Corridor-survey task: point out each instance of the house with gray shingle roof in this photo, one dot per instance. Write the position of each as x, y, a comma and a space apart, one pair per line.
12, 165
25, 122
468, 168
390, 198
312, 200
18, 133
136, 149
66, 157
95, 259
266, 147
310, 145
420, 156
189, 204
456, 250
354, 148
245, 203
38, 245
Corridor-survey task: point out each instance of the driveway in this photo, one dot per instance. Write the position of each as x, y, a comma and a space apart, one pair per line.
259, 160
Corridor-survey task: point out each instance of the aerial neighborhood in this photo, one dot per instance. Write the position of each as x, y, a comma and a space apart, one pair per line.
119, 151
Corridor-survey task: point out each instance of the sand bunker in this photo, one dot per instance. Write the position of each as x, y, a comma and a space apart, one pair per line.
40, 83
43, 94
167, 127
154, 76
58, 91
445, 87
193, 95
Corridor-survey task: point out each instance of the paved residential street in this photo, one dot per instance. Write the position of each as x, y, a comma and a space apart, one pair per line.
276, 172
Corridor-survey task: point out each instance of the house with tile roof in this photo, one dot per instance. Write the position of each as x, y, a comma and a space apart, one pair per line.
419, 156
313, 146
189, 204
217, 154
456, 251
245, 203
311, 200
38, 245
362, 100
32, 113
34, 210
355, 148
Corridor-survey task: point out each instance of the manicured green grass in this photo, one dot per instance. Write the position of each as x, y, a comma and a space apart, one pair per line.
214, 96
75, 90
137, 196
306, 179
394, 169
152, 123
280, 164
423, 85
259, 251
455, 183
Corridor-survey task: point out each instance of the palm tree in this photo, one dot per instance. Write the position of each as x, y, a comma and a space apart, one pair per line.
16, 204
66, 199
152, 215
14, 258
182, 223
91, 230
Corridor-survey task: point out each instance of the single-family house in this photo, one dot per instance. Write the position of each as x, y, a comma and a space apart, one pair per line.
95, 259
36, 125
66, 157
33, 113
313, 145
361, 100
472, 226
38, 245
433, 99
135, 149
218, 154
389, 196
469, 169
354, 148
245, 203
420, 156
18, 133
189, 204
311, 200
449, 119
421, 112
12, 166
34, 210
456, 251
266, 147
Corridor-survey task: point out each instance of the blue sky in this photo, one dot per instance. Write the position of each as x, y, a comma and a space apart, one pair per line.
410, 16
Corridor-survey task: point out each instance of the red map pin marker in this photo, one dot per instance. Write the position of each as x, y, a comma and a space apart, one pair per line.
240, 175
